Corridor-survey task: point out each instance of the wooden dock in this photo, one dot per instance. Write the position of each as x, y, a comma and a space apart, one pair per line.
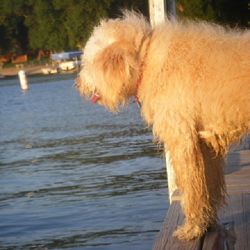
234, 232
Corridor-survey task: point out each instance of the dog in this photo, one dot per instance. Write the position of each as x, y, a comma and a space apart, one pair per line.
192, 80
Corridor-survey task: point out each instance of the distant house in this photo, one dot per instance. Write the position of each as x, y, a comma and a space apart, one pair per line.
19, 59
5, 58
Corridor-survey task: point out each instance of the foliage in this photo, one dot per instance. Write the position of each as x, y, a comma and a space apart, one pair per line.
57, 25
13, 33
48, 24
63, 24
200, 9
230, 12
233, 12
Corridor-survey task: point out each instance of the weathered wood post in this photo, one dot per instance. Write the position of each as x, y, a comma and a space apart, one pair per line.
157, 12
171, 9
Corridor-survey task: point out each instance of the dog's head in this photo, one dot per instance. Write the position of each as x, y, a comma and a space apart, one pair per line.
111, 60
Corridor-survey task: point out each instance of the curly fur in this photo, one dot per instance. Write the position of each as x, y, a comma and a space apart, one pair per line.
194, 92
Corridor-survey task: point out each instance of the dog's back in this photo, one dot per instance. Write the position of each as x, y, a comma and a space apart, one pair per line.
208, 68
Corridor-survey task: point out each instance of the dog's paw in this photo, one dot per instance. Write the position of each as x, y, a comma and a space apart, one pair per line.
189, 232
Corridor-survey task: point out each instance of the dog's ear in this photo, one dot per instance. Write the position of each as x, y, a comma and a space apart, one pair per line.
118, 66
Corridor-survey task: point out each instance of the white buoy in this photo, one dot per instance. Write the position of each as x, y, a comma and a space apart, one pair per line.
23, 80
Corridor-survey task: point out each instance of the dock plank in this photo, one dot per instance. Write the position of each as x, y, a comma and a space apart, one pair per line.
234, 229
165, 239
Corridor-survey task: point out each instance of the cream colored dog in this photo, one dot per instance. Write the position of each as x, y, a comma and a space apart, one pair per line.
193, 83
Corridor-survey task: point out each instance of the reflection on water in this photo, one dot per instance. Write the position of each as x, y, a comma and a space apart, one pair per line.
73, 175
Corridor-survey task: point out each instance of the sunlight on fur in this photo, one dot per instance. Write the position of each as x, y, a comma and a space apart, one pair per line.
193, 82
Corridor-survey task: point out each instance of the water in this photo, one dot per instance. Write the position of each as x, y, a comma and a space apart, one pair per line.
74, 176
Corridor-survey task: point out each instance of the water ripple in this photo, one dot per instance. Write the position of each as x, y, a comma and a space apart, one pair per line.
72, 180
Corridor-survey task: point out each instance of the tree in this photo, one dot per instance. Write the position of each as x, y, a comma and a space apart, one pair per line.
196, 9
79, 18
58, 25
13, 33
63, 24
44, 26
117, 6
232, 12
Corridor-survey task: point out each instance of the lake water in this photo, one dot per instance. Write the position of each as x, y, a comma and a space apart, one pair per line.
74, 176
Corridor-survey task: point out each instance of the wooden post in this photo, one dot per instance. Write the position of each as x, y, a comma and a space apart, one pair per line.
157, 11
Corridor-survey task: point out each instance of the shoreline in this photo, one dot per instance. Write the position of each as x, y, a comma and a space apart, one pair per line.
30, 70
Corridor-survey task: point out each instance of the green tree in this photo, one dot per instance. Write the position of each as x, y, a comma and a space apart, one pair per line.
79, 17
196, 9
13, 32
117, 6
232, 12
44, 26
63, 24
58, 25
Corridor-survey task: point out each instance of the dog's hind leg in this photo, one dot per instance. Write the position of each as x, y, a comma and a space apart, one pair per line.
214, 166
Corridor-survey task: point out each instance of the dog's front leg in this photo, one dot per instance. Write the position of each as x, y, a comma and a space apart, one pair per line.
191, 180
200, 180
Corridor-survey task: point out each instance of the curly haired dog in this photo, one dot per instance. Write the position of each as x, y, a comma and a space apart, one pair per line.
193, 82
